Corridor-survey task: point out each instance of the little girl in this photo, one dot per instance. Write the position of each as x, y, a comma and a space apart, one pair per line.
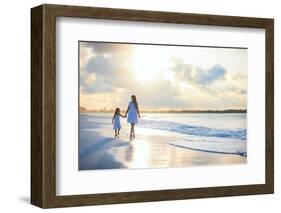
116, 122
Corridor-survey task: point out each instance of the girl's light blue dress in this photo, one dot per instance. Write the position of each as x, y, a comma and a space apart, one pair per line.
132, 113
116, 122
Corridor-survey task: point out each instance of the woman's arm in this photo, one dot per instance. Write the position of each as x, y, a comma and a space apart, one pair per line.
138, 111
113, 119
127, 111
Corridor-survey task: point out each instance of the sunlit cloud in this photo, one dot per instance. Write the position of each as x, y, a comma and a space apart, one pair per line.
162, 77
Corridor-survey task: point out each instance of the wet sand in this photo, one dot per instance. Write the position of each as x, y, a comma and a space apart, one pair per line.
148, 150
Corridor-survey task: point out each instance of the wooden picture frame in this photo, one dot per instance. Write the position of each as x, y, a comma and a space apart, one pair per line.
43, 105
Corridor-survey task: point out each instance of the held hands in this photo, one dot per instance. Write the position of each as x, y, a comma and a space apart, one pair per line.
124, 116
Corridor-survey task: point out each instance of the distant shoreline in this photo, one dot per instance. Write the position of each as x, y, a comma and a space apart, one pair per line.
172, 111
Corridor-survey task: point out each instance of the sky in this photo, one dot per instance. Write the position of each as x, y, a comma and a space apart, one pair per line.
162, 77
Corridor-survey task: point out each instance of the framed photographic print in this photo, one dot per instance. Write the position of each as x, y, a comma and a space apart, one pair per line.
136, 106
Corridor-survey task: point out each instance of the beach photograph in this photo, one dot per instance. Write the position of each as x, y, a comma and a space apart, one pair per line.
145, 106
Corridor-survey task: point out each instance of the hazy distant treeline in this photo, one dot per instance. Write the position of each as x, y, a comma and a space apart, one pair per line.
105, 110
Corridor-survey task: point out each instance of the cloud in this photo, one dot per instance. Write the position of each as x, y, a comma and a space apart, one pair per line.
108, 79
85, 54
101, 48
109, 74
101, 65
107, 67
206, 77
196, 75
158, 94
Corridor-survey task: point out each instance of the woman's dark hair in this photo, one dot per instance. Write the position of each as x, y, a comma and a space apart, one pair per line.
134, 100
116, 111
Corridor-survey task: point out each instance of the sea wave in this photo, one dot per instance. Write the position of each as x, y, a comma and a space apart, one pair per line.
193, 129
238, 148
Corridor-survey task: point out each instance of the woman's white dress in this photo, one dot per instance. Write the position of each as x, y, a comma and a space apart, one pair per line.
132, 116
116, 122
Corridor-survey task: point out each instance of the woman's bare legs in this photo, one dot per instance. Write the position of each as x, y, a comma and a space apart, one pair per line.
132, 133
133, 130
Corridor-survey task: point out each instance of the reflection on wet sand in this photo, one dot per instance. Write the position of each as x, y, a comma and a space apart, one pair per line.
148, 150
151, 152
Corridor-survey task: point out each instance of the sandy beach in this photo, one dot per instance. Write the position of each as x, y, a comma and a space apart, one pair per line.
98, 149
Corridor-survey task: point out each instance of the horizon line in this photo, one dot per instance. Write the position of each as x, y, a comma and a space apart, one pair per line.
84, 109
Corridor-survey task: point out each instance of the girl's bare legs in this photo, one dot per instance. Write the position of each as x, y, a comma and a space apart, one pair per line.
116, 133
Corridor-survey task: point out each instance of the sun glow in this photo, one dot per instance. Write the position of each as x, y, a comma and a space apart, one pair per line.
149, 62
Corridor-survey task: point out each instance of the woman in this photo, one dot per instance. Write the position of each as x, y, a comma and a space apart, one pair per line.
133, 114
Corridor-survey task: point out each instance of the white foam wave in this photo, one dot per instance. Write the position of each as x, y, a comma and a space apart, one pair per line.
231, 147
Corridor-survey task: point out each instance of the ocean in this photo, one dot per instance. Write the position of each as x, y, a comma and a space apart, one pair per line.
224, 133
